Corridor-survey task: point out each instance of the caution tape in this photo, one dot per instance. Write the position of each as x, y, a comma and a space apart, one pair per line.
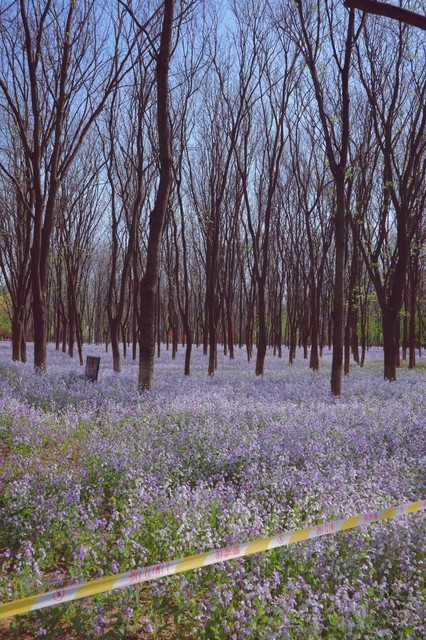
154, 572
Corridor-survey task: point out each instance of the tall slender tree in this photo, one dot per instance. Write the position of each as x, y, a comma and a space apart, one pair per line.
386, 219
149, 280
318, 29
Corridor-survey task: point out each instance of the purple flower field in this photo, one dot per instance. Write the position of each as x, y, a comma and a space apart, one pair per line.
96, 479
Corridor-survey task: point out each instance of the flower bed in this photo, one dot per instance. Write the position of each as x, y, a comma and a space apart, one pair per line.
96, 480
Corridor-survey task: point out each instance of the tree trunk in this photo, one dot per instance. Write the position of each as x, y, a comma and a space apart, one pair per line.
305, 343
134, 336
249, 334
354, 341
230, 331
412, 333
175, 342
16, 340
40, 334
363, 346
79, 336
262, 337
115, 343
64, 324
18, 335
158, 321
314, 358
224, 330
339, 288
124, 340
188, 352
347, 347
206, 327
147, 334
23, 347
389, 325
397, 338
71, 321
405, 324
58, 326
212, 348
157, 218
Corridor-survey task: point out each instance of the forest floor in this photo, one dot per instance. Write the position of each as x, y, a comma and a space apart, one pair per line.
97, 480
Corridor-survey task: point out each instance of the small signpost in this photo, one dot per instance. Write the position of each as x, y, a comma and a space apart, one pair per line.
92, 368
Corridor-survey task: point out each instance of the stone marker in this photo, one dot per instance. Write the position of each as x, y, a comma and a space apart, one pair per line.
92, 368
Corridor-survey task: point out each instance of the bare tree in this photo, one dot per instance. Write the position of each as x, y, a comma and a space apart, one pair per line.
386, 220
189, 75
311, 180
78, 217
319, 31
128, 161
149, 280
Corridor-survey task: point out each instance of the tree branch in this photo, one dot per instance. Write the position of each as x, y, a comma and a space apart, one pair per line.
388, 10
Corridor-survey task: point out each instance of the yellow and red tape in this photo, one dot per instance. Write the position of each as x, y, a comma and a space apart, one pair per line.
154, 572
